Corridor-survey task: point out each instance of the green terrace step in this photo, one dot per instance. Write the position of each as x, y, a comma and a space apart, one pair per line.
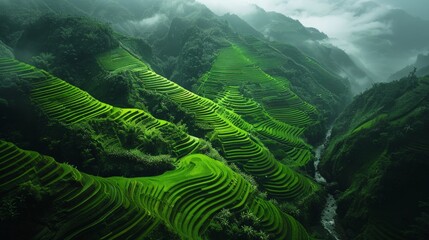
233, 68
299, 156
267, 126
115, 60
270, 106
86, 218
233, 100
292, 116
68, 104
231, 132
185, 199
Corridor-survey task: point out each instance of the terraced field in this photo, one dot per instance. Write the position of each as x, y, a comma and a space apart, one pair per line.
299, 153
269, 105
228, 130
233, 68
67, 104
89, 207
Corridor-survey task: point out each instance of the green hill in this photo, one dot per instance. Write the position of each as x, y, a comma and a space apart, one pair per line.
280, 28
108, 127
267, 103
227, 131
378, 156
77, 205
64, 103
137, 94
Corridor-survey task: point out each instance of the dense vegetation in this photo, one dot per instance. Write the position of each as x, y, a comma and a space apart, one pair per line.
162, 120
378, 158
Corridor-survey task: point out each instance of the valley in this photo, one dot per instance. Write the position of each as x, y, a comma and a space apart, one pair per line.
147, 119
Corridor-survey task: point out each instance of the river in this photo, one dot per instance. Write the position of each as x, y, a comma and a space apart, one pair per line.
330, 210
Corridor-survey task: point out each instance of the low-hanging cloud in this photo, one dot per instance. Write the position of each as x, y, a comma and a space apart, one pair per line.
344, 21
151, 21
348, 23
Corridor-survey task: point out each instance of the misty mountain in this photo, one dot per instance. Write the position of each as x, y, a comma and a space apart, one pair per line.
241, 27
184, 37
422, 68
150, 18
406, 37
278, 27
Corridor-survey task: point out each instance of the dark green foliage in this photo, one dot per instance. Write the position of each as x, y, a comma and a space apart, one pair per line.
196, 57
193, 47
379, 99
165, 108
17, 114
18, 211
66, 46
44, 61
378, 156
162, 233
69, 38
113, 88
78, 144
10, 29
86, 145
134, 163
419, 230
229, 224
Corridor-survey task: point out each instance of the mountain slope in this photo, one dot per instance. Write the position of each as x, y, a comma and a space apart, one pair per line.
5, 51
422, 68
225, 129
184, 37
178, 194
70, 106
378, 156
276, 112
241, 27
280, 28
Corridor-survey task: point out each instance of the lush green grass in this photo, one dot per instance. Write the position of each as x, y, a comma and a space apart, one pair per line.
185, 200
229, 132
81, 205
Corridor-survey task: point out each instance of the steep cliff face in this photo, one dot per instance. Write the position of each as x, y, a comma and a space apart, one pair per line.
378, 156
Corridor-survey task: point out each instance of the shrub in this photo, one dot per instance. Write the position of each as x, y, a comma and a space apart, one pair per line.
228, 224
134, 163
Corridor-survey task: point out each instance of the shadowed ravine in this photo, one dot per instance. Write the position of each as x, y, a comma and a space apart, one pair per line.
329, 211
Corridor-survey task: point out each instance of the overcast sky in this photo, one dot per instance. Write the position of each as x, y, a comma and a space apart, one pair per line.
333, 17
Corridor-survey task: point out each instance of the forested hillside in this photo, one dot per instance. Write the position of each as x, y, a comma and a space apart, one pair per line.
378, 158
